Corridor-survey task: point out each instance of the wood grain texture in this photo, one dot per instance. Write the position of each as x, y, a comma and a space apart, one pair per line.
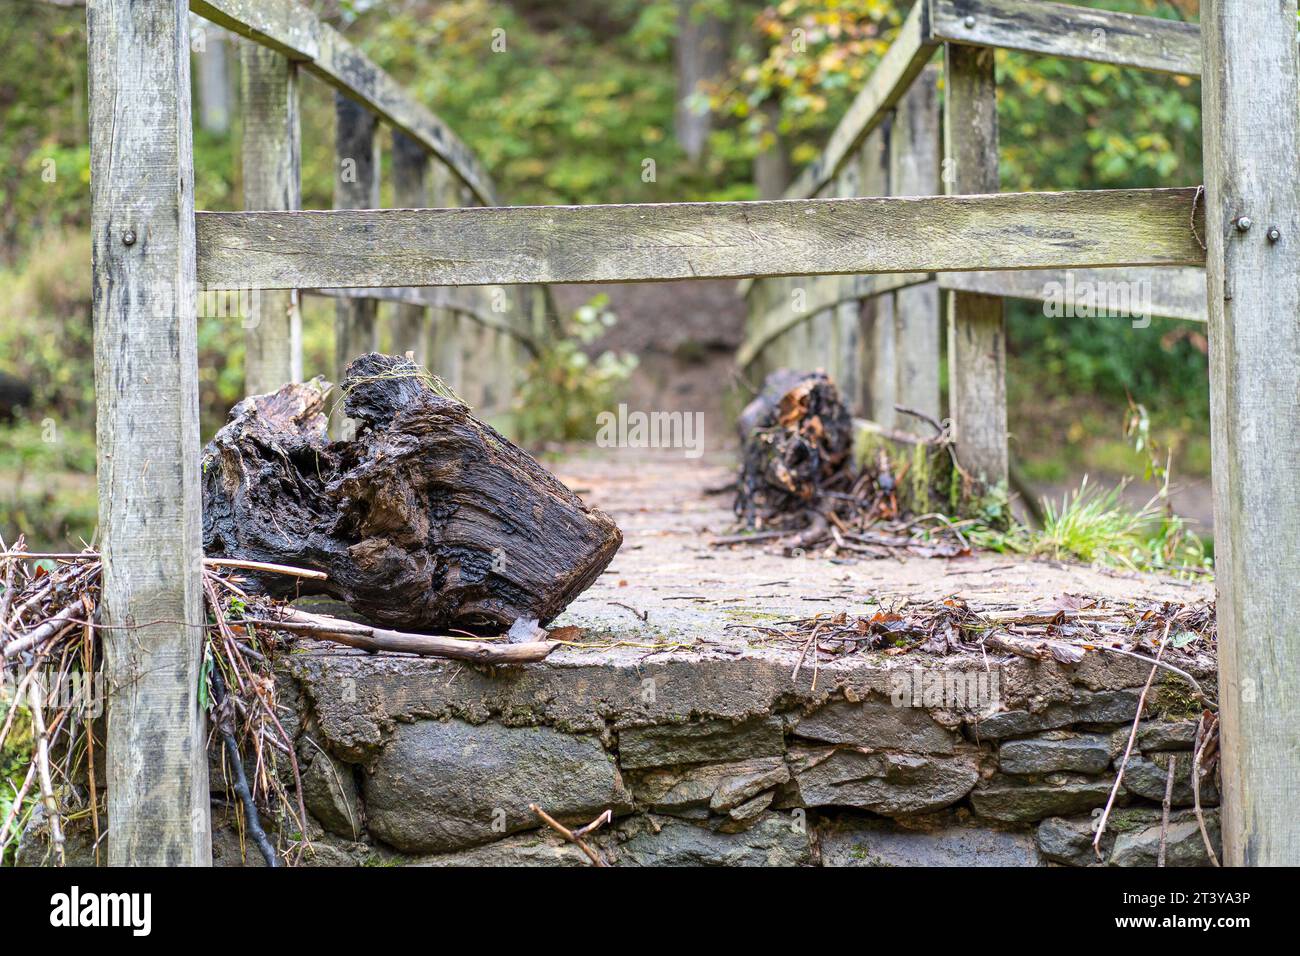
292, 29
446, 317
356, 186
646, 243
1251, 143
147, 429
410, 170
1069, 31
270, 153
876, 392
914, 150
977, 349
1176, 292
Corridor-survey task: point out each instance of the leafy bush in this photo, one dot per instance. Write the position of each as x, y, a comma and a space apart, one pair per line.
564, 388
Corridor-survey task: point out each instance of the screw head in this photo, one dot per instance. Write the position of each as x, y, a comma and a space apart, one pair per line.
1243, 223
128, 237
970, 23
1274, 233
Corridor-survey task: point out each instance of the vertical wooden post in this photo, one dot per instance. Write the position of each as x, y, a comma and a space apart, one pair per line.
877, 312
443, 348
914, 171
356, 186
846, 323
271, 167
1252, 225
410, 169
976, 335
147, 429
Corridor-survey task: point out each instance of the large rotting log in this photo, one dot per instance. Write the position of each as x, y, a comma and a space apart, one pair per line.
797, 444
427, 520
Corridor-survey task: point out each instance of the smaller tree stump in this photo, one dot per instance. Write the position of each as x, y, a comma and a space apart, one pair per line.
427, 520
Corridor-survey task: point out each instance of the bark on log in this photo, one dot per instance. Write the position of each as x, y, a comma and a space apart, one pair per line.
427, 520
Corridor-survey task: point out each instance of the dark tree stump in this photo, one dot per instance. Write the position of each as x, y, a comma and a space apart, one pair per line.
427, 520
796, 445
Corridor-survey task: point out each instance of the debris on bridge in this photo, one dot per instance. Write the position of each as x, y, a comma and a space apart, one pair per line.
427, 519
812, 477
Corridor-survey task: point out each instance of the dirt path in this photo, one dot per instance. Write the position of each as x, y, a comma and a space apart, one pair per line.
669, 582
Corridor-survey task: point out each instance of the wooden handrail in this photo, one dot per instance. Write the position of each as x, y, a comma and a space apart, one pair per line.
318, 48
1069, 31
346, 248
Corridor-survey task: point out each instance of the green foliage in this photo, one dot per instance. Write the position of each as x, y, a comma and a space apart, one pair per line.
569, 110
564, 388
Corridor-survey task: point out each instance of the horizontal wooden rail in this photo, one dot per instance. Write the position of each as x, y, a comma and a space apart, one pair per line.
348, 248
1176, 293
819, 293
1072, 32
467, 302
293, 30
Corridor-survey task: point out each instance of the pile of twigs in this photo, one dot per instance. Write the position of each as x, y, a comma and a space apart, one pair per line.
51, 659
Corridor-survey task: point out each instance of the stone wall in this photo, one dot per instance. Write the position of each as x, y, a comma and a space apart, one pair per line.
725, 757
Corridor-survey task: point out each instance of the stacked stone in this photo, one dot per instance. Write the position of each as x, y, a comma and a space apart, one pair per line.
724, 759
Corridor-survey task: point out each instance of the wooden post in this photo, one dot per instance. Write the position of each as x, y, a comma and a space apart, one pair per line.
442, 347
914, 171
270, 151
356, 186
877, 312
147, 429
976, 336
846, 322
410, 170
1252, 226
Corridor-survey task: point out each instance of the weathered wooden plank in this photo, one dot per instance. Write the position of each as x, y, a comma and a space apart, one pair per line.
815, 293
445, 318
270, 154
914, 146
356, 185
1072, 32
647, 243
147, 429
901, 64
468, 301
1252, 138
292, 29
876, 393
1174, 292
977, 350
410, 169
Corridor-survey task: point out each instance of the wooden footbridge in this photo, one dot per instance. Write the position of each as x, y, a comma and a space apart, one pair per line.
883, 217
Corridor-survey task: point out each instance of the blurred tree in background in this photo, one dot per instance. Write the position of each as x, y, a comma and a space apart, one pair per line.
586, 101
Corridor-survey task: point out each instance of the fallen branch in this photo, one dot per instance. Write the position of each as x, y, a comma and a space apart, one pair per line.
237, 767
1132, 737
369, 638
1196, 687
41, 633
571, 836
1164, 810
207, 562
1198, 748
36, 703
